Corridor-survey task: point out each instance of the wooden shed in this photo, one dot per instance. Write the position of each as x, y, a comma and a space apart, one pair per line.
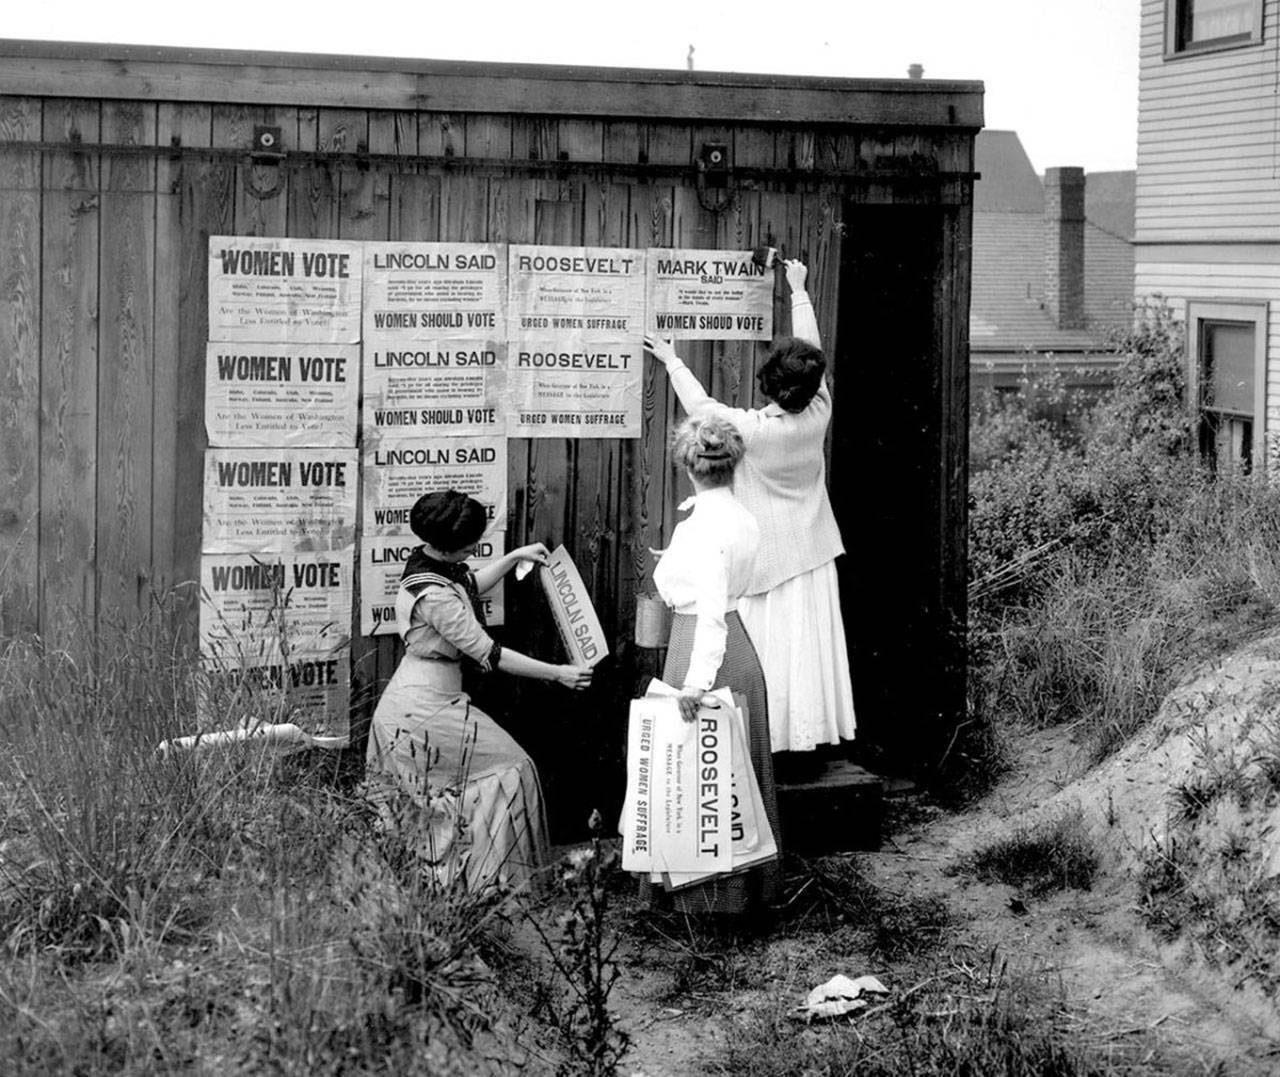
118, 162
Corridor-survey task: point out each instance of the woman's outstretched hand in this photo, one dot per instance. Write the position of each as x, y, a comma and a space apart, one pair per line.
535, 551
575, 678
662, 350
797, 274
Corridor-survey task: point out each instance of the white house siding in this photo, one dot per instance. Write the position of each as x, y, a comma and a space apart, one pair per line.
1177, 282
1208, 130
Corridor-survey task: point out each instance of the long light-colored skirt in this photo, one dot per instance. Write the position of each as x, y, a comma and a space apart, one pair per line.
480, 818
758, 887
798, 630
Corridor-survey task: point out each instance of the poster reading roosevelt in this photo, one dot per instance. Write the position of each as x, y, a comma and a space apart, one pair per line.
306, 291
575, 358
708, 295
278, 500
291, 395
260, 607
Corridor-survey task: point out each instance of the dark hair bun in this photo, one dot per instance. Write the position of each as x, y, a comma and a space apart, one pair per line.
792, 374
448, 520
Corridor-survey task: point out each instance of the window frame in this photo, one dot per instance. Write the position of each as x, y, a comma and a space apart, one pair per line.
1240, 311
1172, 50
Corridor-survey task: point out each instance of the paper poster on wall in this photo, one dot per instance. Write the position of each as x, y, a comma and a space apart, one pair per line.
570, 388
305, 291
381, 565
593, 293
397, 473
708, 295
262, 606
434, 291
432, 389
290, 395
312, 691
277, 500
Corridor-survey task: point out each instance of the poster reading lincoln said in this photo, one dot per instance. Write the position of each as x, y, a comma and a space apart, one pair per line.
382, 562
575, 358
290, 395
397, 473
434, 291
306, 291
278, 500
440, 388
708, 295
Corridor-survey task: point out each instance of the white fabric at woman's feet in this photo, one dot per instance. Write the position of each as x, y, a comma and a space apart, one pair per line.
797, 630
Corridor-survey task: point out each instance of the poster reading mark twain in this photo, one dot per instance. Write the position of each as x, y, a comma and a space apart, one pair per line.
440, 388
311, 691
708, 295
259, 607
426, 292
571, 388
381, 565
306, 291
291, 395
278, 500
397, 473
574, 361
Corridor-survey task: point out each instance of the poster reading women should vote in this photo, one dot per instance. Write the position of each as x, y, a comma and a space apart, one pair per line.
292, 395
306, 291
382, 564
441, 388
427, 292
263, 606
708, 295
279, 500
397, 473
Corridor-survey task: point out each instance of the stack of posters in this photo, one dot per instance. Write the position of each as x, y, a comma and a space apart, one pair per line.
692, 808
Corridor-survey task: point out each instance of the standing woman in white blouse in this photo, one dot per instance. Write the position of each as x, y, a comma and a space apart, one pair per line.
702, 575
791, 604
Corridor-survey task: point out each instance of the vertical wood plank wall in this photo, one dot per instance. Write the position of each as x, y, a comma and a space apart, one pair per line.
103, 322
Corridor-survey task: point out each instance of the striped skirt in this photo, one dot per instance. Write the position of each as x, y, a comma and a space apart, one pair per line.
740, 671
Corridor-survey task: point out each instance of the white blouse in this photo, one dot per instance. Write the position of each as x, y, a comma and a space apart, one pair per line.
705, 570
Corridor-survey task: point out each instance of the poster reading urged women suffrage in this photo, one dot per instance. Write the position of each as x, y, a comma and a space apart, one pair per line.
307, 291
293, 395
575, 358
708, 295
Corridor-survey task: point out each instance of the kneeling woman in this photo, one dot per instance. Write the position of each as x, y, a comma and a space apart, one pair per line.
482, 820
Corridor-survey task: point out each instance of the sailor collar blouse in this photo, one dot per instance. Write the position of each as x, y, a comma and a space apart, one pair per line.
705, 570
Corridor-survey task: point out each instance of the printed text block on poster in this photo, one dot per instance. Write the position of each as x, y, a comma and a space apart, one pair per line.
418, 292
590, 293
397, 473
573, 388
575, 616
312, 691
437, 388
291, 395
263, 606
279, 500
306, 291
708, 295
381, 565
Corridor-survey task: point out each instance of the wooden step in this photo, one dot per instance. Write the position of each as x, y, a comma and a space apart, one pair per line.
838, 809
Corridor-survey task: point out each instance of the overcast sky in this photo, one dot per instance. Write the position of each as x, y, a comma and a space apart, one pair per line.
1062, 73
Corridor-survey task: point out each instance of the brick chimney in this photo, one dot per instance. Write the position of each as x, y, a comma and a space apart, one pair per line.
1064, 246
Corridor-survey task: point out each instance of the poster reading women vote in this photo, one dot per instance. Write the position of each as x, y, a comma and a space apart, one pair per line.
292, 395
307, 291
278, 500
427, 292
258, 607
382, 564
316, 691
575, 358
708, 295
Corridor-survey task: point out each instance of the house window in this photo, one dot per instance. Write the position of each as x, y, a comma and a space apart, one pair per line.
1200, 25
1228, 377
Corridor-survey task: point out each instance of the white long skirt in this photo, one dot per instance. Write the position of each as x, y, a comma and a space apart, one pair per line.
799, 634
